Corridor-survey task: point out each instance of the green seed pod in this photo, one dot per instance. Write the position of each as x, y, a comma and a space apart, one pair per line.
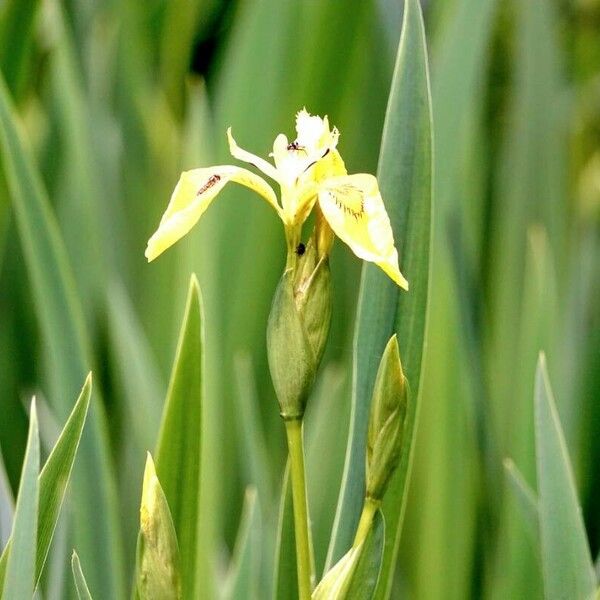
157, 553
386, 424
297, 330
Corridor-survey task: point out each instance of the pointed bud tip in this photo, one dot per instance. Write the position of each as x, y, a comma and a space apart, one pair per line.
393, 343
149, 476
147, 506
149, 461
392, 352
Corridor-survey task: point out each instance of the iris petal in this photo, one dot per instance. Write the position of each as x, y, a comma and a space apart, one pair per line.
193, 194
354, 209
260, 163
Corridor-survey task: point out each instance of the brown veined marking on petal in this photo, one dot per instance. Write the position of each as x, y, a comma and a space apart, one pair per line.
212, 180
357, 210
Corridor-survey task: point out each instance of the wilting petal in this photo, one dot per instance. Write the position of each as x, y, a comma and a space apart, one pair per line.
355, 211
193, 193
260, 163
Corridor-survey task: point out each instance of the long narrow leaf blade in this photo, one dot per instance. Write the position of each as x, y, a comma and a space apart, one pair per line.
60, 316
566, 561
7, 508
135, 368
67, 350
405, 181
180, 441
54, 478
285, 586
20, 579
17, 21
526, 499
255, 457
244, 574
80, 206
83, 592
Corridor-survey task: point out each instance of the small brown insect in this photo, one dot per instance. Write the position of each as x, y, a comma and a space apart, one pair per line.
294, 146
211, 181
300, 249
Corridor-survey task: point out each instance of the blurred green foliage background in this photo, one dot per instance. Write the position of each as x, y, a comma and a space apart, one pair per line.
116, 98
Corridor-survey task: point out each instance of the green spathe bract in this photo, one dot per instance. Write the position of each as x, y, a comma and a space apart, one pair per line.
291, 358
312, 294
158, 575
297, 330
386, 424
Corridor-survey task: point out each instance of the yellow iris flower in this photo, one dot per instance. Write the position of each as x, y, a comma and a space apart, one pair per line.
309, 171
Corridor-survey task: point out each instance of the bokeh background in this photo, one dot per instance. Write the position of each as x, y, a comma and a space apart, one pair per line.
116, 98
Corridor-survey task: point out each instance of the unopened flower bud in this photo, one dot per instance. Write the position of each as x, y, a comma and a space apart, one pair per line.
386, 424
158, 553
297, 330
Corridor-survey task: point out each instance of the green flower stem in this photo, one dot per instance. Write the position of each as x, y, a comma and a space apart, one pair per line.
302, 533
292, 235
370, 507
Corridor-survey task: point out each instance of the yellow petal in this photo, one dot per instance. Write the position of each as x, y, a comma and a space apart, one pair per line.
193, 194
331, 165
355, 211
298, 203
260, 163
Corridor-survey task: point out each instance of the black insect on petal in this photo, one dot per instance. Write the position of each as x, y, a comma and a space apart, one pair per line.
300, 249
